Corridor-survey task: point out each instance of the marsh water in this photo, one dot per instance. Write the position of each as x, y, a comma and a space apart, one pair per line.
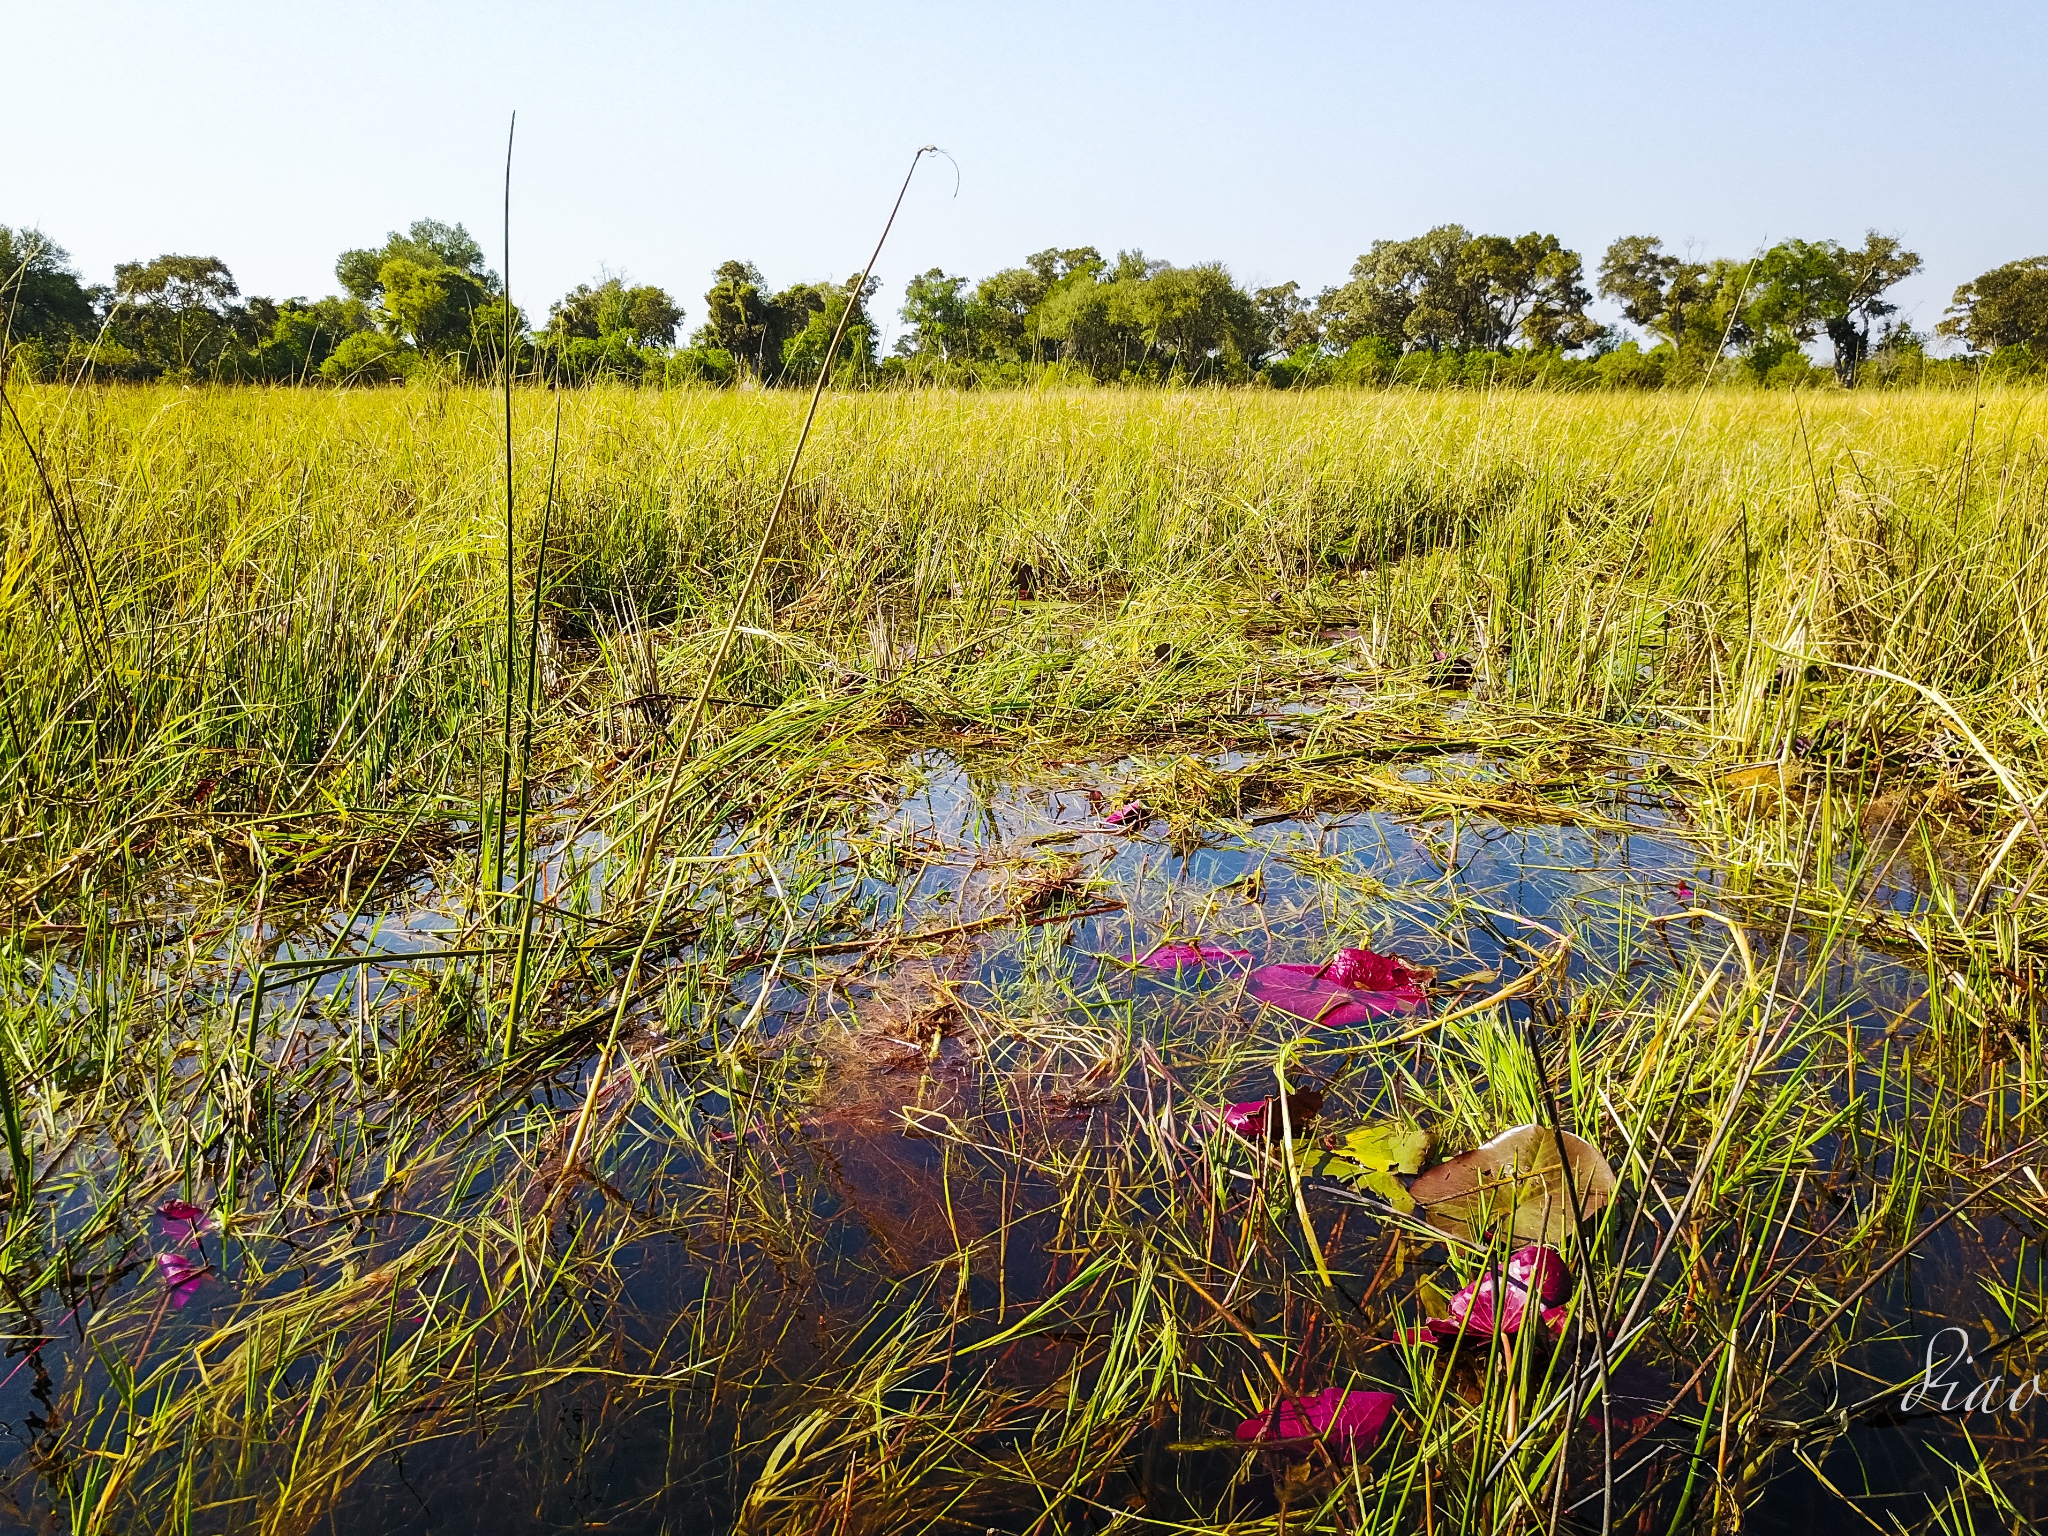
907, 1100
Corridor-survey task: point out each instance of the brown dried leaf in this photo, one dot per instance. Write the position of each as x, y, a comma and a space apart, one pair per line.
1515, 1182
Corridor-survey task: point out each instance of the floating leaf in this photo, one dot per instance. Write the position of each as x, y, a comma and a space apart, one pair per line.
1763, 780
1356, 987
1198, 955
1255, 1120
1353, 1421
1387, 1146
1386, 1185
1371, 1156
1516, 1183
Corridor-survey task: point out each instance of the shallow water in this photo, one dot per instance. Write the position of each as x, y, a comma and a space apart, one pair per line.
874, 1189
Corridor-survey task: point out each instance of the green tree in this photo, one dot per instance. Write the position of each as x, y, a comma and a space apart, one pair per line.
1134, 317
942, 318
1097, 314
297, 338
1007, 301
369, 357
435, 308
738, 318
427, 245
1201, 322
41, 298
644, 315
1536, 289
805, 315
1288, 322
1407, 293
489, 324
434, 295
1638, 274
1091, 324
179, 313
1807, 288
1011, 302
610, 328
1452, 291
2005, 307
1695, 306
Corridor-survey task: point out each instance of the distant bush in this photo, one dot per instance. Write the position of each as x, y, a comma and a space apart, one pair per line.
370, 357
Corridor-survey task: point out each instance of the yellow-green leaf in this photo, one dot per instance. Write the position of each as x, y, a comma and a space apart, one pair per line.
1387, 1187
1386, 1146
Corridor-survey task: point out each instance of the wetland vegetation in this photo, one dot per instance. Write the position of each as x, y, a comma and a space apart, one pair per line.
479, 1052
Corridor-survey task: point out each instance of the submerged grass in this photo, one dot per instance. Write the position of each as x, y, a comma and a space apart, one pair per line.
726, 1232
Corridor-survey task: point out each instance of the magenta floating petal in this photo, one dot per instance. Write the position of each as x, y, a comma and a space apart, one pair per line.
1539, 1270
182, 1219
1363, 970
1356, 987
1191, 957
1536, 1275
1247, 1120
180, 1275
1254, 1120
1352, 1420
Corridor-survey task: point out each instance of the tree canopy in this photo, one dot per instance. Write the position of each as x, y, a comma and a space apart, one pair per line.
1447, 305
2006, 307
428, 244
1805, 288
40, 294
1449, 290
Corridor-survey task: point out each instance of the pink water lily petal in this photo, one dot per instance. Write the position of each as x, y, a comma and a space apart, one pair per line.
1539, 1269
1131, 814
180, 1275
1475, 1310
1189, 957
1311, 992
1247, 1120
1535, 1274
1255, 1120
1353, 1420
182, 1219
1364, 970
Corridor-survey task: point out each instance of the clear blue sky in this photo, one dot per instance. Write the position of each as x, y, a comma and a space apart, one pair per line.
660, 139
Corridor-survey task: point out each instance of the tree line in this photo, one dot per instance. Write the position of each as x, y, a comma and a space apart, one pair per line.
1444, 307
